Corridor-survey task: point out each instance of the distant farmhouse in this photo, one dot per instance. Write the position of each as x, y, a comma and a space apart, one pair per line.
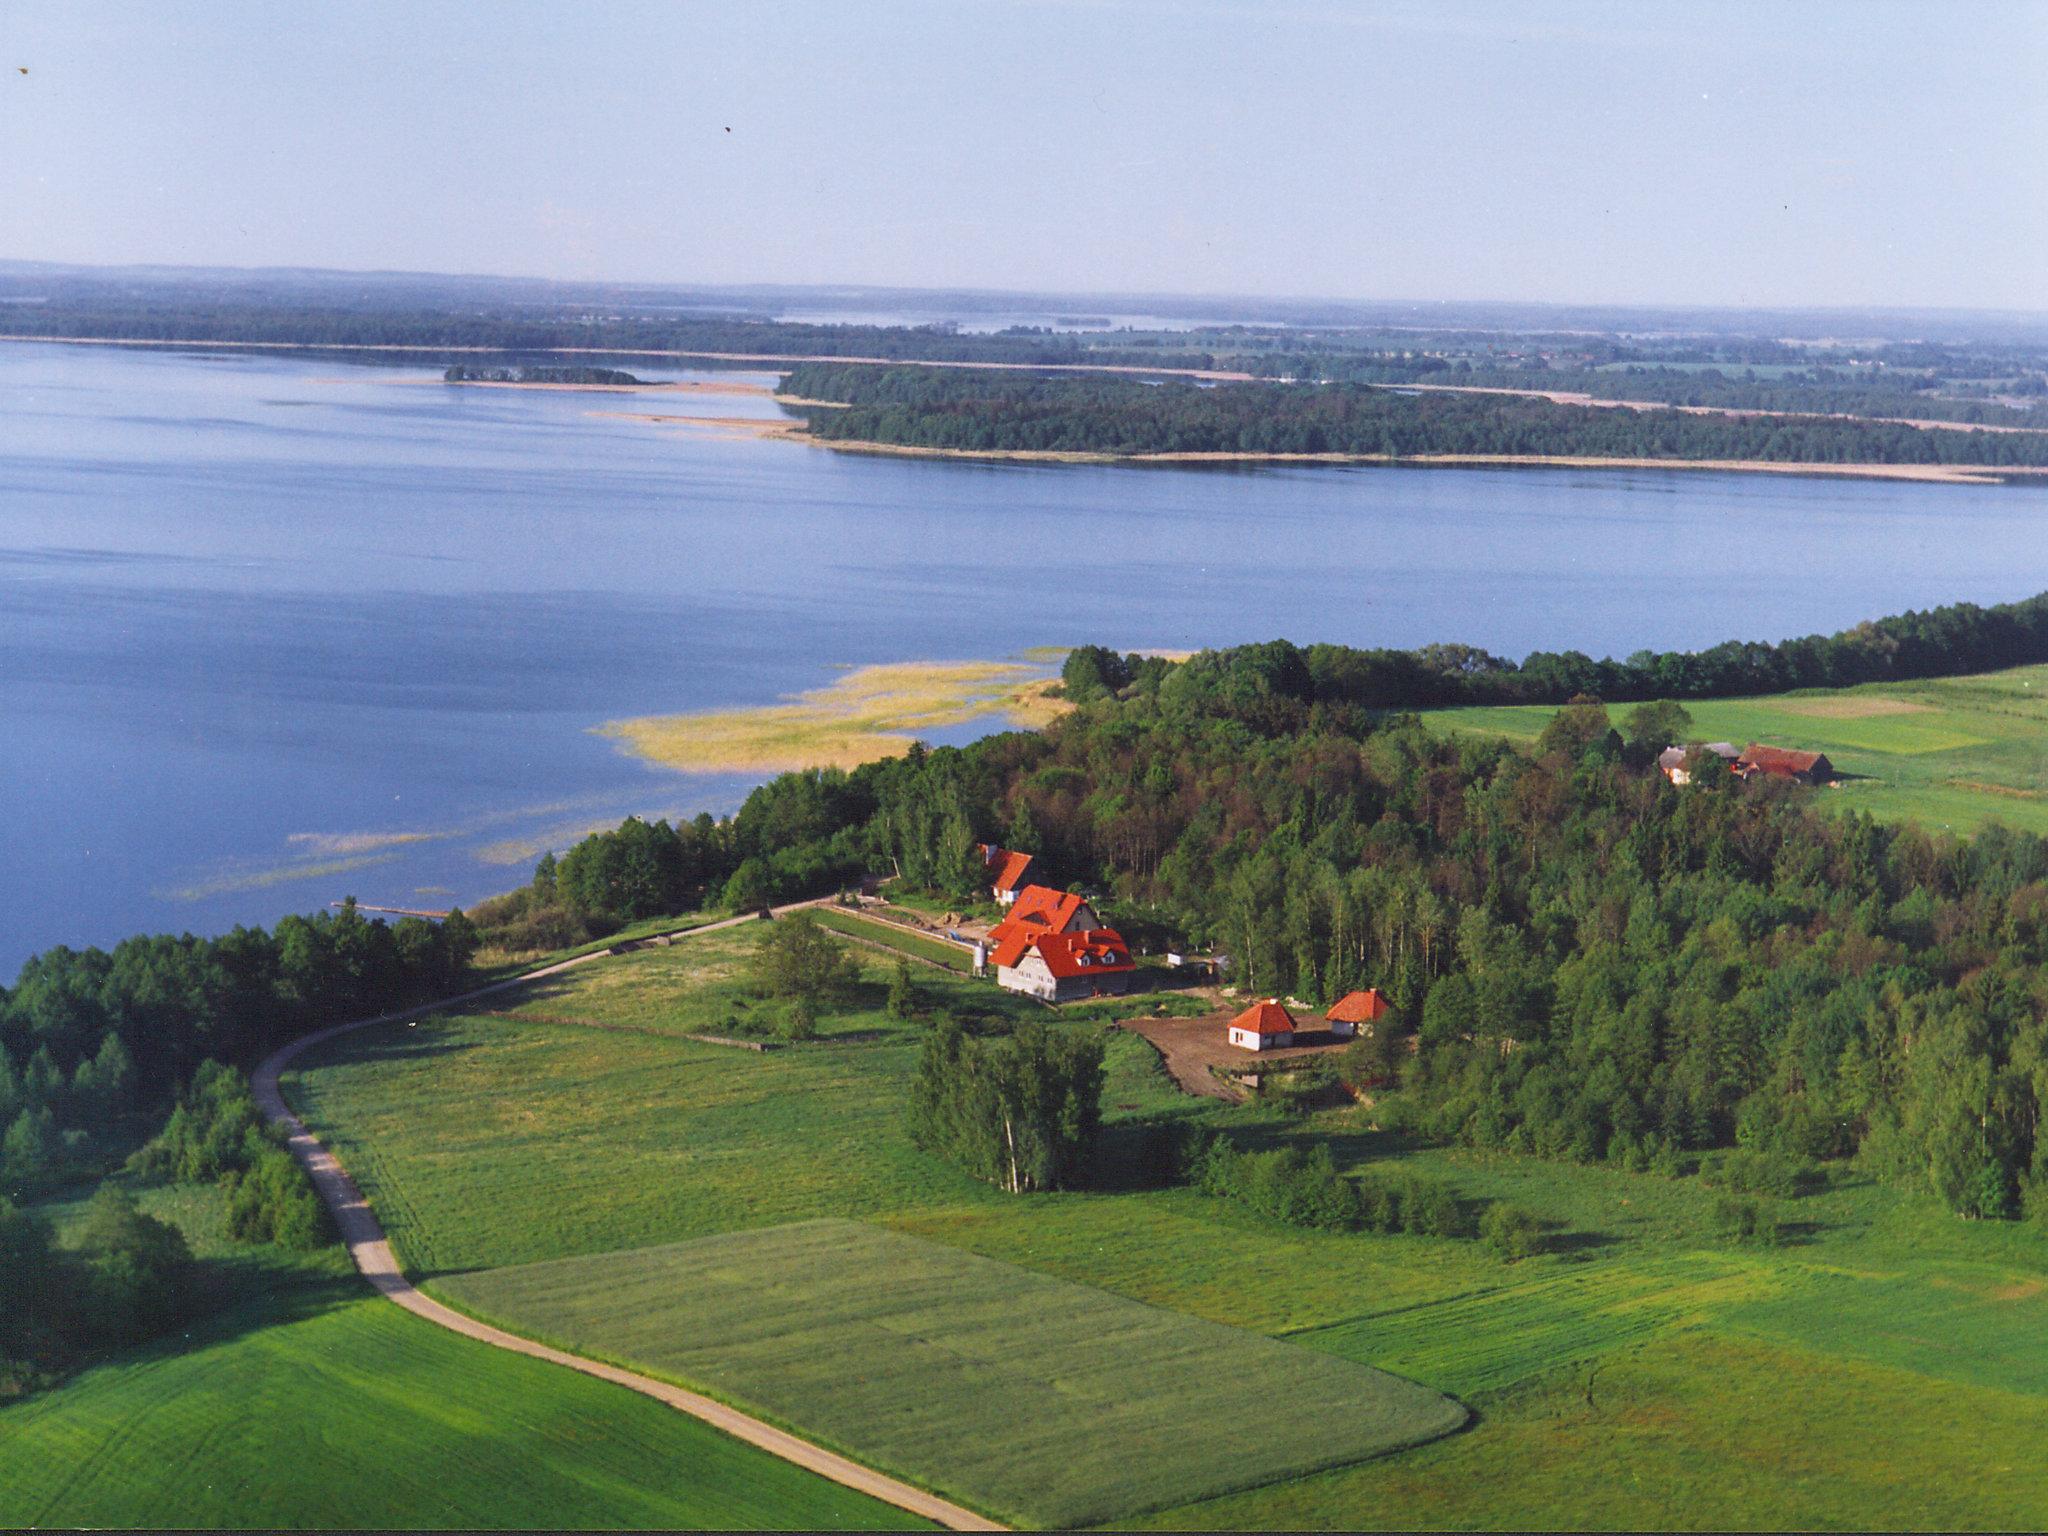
1672, 759
1264, 1026
1751, 761
1006, 870
1779, 763
1051, 945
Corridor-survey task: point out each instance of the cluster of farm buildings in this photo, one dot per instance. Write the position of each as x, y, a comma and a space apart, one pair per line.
1748, 762
1051, 945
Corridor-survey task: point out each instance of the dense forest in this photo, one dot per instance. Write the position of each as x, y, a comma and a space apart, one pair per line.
983, 412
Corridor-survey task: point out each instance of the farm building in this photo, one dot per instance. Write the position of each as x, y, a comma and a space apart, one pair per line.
1356, 1012
1039, 908
1782, 763
1264, 1026
1006, 870
1672, 759
1064, 967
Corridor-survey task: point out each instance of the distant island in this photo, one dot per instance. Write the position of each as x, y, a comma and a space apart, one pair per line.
903, 408
466, 373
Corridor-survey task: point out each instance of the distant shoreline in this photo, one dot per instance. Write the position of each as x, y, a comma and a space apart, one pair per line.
794, 431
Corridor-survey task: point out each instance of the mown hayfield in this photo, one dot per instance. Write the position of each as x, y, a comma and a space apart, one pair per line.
318, 1405
1040, 1401
1689, 1431
1953, 753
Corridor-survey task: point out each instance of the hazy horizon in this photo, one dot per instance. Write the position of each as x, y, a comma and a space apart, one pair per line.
1864, 156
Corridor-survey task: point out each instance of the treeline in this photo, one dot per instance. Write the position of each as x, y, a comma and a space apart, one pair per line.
191, 318
86, 1034
1938, 642
1819, 390
983, 412
1599, 965
469, 373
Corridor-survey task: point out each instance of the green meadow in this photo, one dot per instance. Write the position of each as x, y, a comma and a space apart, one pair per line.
1889, 1366
1953, 753
1045, 1402
304, 1401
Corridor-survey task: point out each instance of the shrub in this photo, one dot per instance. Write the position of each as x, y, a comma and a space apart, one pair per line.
1510, 1231
800, 1020
1746, 1221
902, 1002
1379, 1209
1759, 1173
1431, 1210
274, 1202
137, 1271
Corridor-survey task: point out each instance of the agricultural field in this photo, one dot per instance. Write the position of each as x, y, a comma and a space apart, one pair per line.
1041, 1401
1735, 1383
304, 1401
1952, 753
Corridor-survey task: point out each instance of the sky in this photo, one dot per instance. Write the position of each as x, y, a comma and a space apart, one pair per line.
1854, 154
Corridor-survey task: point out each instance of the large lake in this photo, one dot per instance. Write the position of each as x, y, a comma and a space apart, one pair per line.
274, 629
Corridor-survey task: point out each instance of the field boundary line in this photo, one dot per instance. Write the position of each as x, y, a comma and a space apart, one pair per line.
370, 1249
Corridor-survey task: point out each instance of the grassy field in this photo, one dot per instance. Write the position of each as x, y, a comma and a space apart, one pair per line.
304, 1401
501, 1140
1041, 1401
1952, 752
1829, 1382
896, 936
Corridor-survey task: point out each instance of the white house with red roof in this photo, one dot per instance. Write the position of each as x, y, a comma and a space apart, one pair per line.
1065, 967
1356, 1013
1265, 1026
1006, 870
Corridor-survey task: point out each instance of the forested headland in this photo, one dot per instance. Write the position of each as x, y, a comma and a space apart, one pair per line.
972, 411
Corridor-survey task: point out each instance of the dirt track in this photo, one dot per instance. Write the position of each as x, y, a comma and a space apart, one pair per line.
369, 1247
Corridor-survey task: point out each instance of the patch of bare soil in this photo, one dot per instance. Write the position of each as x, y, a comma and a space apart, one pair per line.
1190, 1047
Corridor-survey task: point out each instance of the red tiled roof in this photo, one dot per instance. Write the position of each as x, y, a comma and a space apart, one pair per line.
1005, 866
1095, 952
1360, 1007
1038, 908
1778, 759
1267, 1018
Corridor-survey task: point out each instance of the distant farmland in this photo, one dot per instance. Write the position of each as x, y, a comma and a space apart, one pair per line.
1952, 753
1037, 1399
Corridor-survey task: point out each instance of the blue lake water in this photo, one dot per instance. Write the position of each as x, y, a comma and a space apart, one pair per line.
274, 630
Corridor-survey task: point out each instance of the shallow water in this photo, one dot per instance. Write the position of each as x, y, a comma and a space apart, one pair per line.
262, 617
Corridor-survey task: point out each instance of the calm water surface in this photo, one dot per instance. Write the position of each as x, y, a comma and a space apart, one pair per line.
274, 629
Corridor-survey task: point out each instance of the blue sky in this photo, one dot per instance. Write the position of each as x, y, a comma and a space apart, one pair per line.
1723, 153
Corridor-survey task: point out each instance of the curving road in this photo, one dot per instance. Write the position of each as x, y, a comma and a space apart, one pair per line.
371, 1250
